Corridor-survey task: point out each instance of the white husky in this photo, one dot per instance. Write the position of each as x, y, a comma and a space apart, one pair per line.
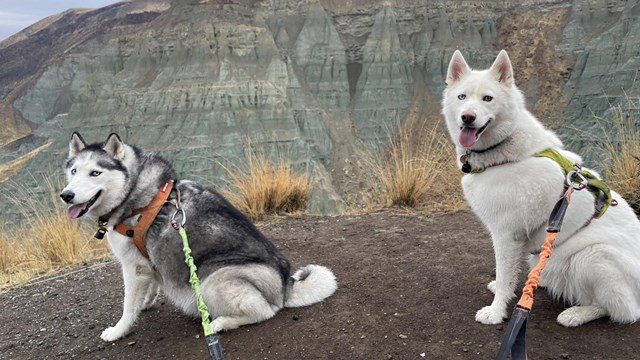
596, 267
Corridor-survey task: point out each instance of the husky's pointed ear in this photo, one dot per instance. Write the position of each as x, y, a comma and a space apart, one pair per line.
502, 69
457, 68
114, 146
76, 144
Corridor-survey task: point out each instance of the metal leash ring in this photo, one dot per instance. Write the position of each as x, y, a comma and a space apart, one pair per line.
183, 220
576, 185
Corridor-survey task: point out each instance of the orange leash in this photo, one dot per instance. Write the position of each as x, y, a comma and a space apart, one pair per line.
513, 342
533, 279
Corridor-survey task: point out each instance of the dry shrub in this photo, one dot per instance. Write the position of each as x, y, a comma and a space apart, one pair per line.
264, 187
10, 254
622, 171
46, 240
417, 170
446, 194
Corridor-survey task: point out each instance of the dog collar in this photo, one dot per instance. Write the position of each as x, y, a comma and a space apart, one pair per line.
147, 214
464, 159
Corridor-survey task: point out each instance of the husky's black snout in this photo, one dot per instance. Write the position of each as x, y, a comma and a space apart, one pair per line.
67, 196
468, 117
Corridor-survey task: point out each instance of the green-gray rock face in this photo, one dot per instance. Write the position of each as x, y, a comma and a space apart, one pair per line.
605, 74
202, 81
385, 85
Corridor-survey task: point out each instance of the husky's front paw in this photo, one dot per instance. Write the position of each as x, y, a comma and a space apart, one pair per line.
489, 315
114, 333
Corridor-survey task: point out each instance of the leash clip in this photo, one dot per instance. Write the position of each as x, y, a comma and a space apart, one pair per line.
464, 159
102, 227
576, 180
183, 217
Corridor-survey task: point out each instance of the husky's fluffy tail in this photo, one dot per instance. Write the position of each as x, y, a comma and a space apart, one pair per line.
310, 284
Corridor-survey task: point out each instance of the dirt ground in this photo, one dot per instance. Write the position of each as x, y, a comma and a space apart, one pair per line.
409, 285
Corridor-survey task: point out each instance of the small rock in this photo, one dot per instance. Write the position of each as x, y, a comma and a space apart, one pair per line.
565, 356
456, 342
401, 336
131, 343
296, 317
423, 354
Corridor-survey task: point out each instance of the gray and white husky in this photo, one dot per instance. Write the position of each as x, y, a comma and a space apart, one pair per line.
245, 279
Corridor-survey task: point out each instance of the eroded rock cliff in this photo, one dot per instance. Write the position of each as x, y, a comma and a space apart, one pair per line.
309, 80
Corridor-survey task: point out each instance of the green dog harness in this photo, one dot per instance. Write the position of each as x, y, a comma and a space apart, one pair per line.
597, 187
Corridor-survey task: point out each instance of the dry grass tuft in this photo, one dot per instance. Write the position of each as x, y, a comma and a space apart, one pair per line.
622, 172
46, 241
265, 188
417, 170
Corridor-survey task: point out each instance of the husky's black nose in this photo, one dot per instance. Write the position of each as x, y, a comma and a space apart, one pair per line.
468, 117
67, 196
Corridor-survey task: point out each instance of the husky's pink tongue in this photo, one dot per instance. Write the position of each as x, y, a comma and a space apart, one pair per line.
467, 136
74, 211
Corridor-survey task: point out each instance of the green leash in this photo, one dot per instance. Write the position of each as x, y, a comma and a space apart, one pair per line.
212, 339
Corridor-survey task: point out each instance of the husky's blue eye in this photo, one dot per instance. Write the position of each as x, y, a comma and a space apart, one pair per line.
462, 97
95, 173
73, 171
487, 98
